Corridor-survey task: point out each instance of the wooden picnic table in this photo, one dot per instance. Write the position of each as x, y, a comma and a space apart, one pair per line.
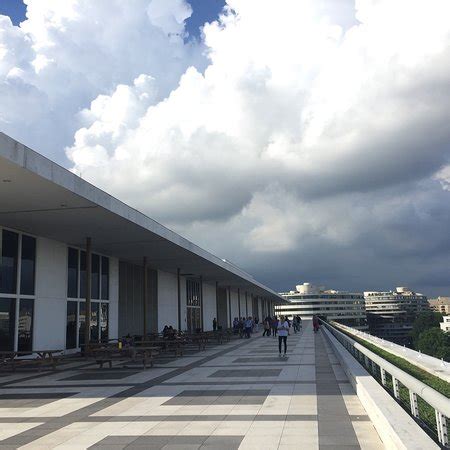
147, 354
176, 344
199, 339
105, 354
44, 357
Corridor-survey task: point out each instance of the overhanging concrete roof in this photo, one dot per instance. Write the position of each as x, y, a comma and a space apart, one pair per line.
40, 197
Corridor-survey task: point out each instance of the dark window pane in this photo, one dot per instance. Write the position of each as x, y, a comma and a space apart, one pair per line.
7, 323
94, 321
71, 325
95, 286
25, 331
82, 323
105, 278
28, 265
8, 262
83, 274
72, 273
104, 330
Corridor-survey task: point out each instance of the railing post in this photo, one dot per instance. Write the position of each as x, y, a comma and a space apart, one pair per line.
414, 404
396, 388
383, 376
372, 368
366, 362
441, 425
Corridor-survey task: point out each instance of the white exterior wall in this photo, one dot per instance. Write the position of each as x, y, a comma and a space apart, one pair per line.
234, 304
167, 300
209, 306
50, 307
250, 305
242, 300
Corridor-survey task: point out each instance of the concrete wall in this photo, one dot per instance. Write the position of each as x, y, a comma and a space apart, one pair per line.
49, 328
234, 304
167, 300
222, 313
131, 307
50, 307
209, 305
242, 301
250, 305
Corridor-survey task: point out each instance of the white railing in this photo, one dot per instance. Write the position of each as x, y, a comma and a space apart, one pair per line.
439, 402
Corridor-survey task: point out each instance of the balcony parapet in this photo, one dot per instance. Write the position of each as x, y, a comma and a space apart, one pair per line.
420, 397
437, 367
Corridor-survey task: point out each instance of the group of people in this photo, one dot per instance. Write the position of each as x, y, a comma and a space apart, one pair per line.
271, 325
168, 332
244, 326
274, 326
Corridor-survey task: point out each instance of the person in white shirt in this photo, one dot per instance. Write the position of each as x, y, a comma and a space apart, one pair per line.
283, 332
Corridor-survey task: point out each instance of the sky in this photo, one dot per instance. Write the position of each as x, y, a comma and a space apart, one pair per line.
303, 140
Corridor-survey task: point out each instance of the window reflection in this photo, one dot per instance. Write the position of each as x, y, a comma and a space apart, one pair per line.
7, 323
71, 325
25, 326
27, 265
8, 262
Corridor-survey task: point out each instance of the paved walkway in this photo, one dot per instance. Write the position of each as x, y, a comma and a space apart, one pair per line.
236, 395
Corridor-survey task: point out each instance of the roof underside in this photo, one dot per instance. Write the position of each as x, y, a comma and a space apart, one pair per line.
39, 197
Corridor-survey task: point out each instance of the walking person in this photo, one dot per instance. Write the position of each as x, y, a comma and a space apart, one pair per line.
214, 324
283, 331
266, 327
241, 327
248, 327
274, 323
315, 324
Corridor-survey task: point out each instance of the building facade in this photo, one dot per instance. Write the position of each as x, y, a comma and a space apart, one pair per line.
76, 262
445, 324
309, 300
440, 304
391, 314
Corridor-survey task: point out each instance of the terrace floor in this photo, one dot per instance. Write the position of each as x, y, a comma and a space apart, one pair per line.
235, 395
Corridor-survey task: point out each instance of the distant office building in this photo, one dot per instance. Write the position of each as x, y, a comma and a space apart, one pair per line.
445, 325
440, 304
391, 314
308, 300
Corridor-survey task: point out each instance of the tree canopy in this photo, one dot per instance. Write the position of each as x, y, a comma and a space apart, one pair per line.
424, 321
434, 342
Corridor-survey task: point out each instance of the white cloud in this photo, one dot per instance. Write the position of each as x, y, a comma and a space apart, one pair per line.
68, 52
314, 130
289, 98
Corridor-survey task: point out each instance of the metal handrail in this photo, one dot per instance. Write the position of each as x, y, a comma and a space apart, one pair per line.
439, 402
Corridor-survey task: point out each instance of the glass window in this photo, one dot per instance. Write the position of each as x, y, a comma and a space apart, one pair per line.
72, 273
25, 329
192, 293
95, 286
8, 262
7, 323
104, 312
82, 314
94, 321
28, 264
71, 324
105, 278
83, 274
